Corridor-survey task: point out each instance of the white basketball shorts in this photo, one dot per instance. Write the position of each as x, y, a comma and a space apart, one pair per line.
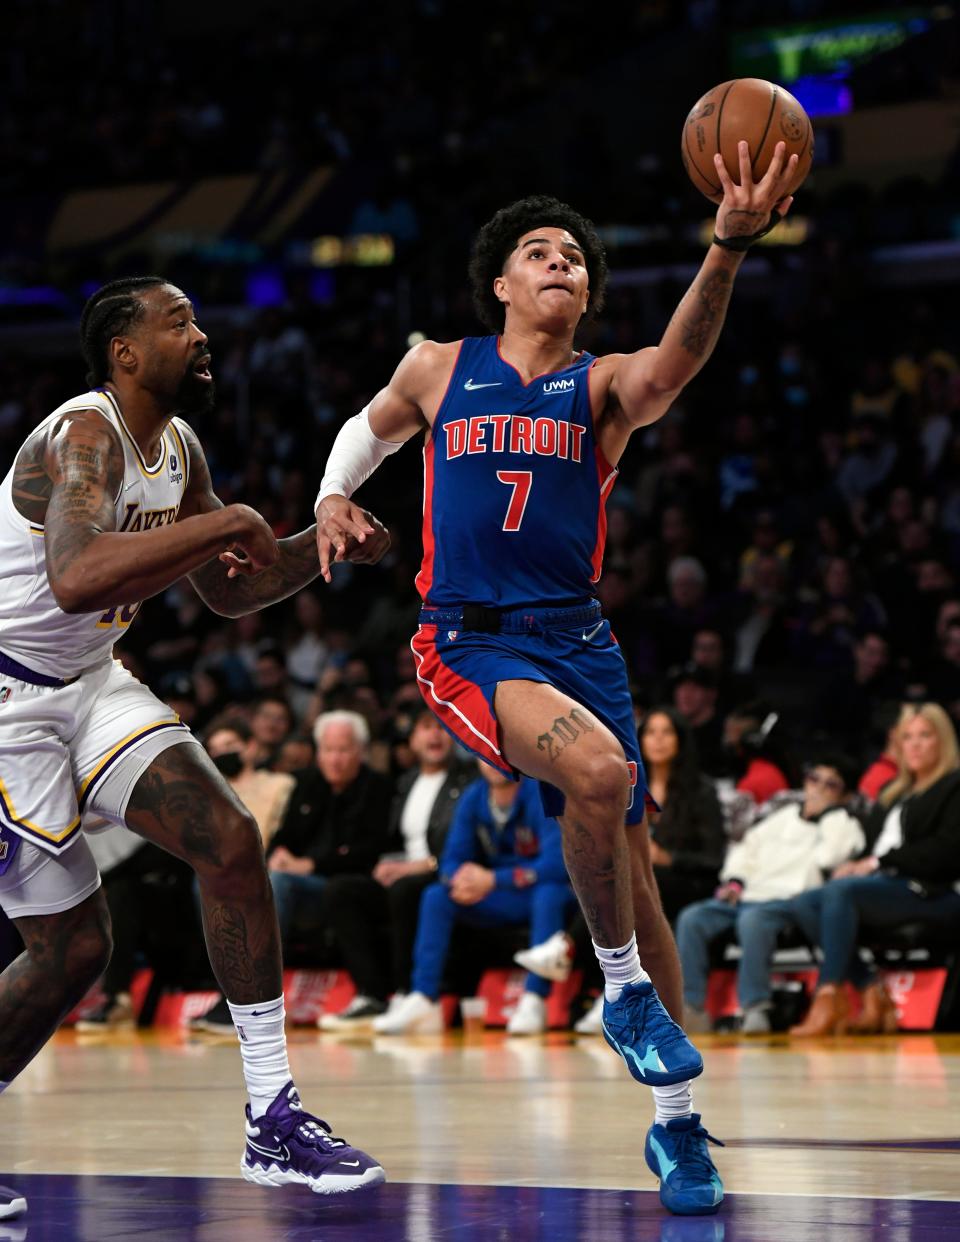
70, 755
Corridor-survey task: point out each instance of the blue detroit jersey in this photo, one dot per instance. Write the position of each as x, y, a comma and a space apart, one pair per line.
514, 486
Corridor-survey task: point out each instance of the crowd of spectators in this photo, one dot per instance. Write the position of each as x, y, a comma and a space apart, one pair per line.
783, 549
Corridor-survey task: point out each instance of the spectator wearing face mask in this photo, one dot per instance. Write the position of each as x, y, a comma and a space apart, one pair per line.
233, 748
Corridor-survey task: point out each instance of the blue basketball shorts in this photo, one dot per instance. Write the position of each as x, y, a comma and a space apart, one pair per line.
571, 649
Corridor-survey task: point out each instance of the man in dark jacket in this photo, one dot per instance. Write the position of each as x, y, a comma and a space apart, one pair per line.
335, 823
374, 917
502, 865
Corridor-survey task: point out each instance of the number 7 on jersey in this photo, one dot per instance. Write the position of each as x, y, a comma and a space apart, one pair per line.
520, 481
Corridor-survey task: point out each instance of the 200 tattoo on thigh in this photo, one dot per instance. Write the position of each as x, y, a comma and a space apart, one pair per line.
564, 732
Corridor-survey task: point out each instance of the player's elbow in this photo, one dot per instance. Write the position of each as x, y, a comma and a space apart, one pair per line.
74, 592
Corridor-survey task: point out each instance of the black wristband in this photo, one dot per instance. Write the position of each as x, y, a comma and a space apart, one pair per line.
746, 241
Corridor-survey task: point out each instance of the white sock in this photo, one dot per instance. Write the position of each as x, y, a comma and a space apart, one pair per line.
620, 967
263, 1048
673, 1101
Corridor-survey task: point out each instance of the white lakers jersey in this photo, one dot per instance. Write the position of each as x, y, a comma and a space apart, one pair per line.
33, 628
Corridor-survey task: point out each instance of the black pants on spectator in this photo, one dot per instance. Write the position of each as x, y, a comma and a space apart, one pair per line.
134, 891
375, 928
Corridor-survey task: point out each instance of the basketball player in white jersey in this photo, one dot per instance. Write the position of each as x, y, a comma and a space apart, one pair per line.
108, 502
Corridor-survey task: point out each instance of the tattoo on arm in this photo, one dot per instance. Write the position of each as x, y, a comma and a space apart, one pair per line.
564, 732
701, 314
83, 463
297, 566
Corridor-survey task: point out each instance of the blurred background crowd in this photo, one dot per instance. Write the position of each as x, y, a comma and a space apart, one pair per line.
783, 553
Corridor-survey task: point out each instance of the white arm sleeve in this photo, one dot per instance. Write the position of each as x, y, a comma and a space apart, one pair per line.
355, 455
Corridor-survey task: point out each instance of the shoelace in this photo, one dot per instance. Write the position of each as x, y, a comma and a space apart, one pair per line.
658, 1026
311, 1130
692, 1154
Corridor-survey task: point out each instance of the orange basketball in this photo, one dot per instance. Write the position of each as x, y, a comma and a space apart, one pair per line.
750, 109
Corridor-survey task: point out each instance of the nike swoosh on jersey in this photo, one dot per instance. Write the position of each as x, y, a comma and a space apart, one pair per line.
470, 386
596, 630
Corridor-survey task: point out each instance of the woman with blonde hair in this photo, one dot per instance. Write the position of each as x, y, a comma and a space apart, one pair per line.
910, 872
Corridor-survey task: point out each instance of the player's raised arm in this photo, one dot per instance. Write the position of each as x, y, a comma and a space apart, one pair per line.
91, 565
646, 383
396, 414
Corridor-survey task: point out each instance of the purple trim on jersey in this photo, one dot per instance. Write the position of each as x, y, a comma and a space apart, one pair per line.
124, 750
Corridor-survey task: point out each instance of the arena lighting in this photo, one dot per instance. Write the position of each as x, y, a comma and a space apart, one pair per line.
356, 250
793, 231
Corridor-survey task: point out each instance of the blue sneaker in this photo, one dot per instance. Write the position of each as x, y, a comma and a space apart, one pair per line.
288, 1145
655, 1049
12, 1203
677, 1153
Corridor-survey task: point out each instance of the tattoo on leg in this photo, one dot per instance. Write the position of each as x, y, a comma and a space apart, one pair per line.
171, 806
564, 732
228, 947
600, 875
65, 954
178, 805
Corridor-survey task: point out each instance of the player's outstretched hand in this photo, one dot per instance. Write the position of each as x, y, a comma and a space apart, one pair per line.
747, 207
254, 549
373, 548
341, 525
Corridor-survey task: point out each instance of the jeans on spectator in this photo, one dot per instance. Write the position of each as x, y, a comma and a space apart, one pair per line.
299, 902
543, 906
756, 924
840, 906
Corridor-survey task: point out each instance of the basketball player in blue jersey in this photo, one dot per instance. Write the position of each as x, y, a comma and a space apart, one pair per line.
108, 502
522, 435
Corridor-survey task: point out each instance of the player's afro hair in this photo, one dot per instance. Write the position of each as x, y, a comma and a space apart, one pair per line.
108, 313
499, 236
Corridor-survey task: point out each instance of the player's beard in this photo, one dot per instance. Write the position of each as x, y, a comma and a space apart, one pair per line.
195, 396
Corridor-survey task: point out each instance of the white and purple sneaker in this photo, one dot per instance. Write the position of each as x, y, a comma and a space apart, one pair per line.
288, 1145
12, 1203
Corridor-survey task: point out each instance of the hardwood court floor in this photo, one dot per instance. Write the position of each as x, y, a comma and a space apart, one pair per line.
835, 1139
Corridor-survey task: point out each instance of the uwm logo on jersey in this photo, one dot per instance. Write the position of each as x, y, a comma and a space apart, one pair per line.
515, 433
137, 519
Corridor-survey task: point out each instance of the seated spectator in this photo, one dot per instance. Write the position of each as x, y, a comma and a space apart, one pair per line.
908, 873
757, 768
502, 866
695, 695
686, 835
708, 650
297, 754
841, 611
787, 852
686, 609
885, 725
336, 823
233, 748
371, 914
851, 696
761, 636
271, 721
